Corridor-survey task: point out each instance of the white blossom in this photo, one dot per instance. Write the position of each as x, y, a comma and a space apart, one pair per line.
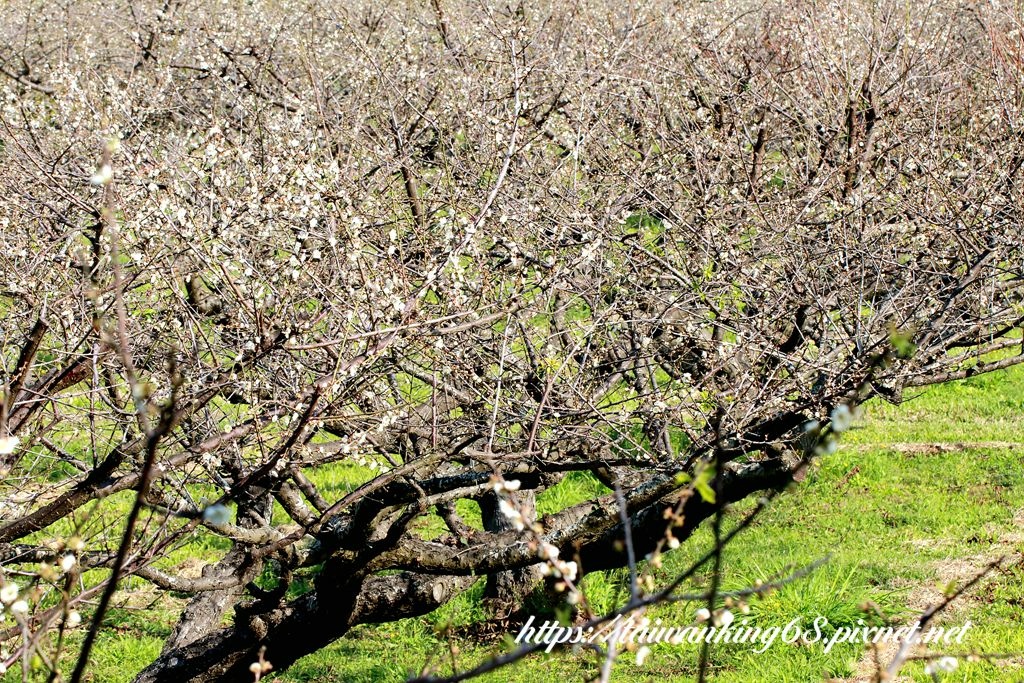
217, 515
103, 176
842, 418
8, 444
9, 593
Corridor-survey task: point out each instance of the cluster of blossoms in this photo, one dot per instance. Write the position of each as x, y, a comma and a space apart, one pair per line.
507, 507
564, 571
720, 617
16, 603
9, 596
841, 418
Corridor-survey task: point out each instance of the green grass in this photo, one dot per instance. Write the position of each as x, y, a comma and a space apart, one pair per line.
917, 495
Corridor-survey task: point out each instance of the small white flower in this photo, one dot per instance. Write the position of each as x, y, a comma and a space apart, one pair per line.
74, 619
103, 176
723, 617
842, 418
548, 552
512, 485
217, 515
9, 593
568, 570
703, 614
67, 562
947, 664
8, 444
508, 509
256, 668
642, 654
20, 607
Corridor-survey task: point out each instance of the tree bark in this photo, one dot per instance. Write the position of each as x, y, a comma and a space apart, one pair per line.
304, 625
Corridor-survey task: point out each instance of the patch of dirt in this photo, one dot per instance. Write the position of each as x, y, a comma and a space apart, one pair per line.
921, 597
191, 568
485, 632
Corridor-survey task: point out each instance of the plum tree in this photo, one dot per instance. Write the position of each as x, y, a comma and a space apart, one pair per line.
453, 253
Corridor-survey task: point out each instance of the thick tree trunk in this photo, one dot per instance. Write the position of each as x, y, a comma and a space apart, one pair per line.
205, 612
206, 609
302, 626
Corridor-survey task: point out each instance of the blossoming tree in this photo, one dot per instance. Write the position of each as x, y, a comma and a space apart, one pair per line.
450, 254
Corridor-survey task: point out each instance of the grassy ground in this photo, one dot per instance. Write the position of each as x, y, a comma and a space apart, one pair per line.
918, 497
